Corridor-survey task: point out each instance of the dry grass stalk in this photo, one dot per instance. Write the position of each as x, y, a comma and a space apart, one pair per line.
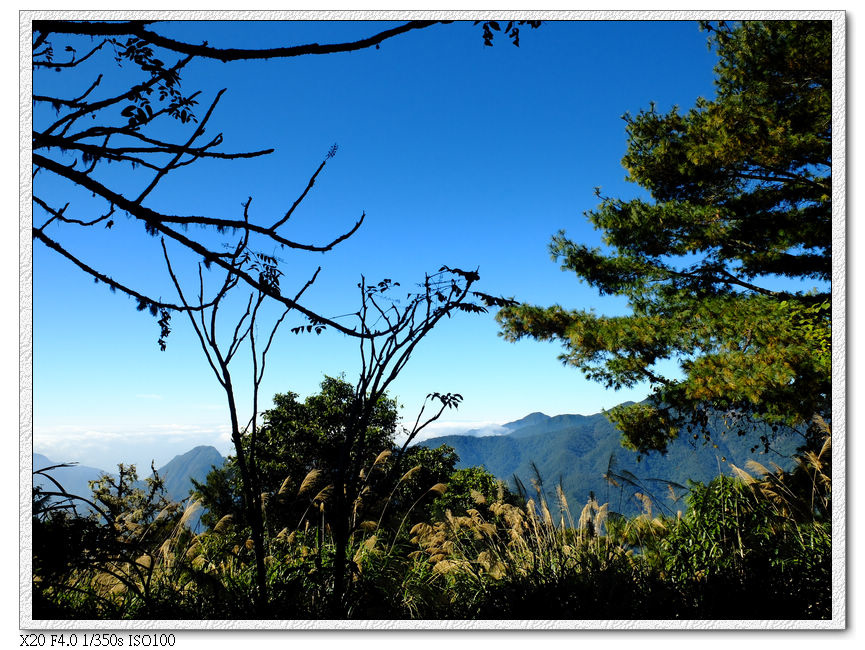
283, 488
383, 456
646, 502
601, 518
323, 495
439, 488
223, 524
191, 508
742, 475
309, 481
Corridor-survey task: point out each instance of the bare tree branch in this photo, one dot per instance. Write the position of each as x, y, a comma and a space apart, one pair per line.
137, 28
155, 221
67, 64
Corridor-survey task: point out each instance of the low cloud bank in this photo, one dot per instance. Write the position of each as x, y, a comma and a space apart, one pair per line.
104, 447
457, 428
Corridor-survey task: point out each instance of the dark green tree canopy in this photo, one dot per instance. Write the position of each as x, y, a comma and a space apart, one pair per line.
297, 452
301, 435
297, 437
727, 266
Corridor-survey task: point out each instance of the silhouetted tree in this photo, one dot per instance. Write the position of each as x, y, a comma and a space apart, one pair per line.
204, 316
407, 322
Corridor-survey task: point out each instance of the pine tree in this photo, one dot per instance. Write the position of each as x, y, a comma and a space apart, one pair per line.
727, 267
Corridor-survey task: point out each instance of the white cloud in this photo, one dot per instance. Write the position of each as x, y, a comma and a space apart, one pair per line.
490, 430
103, 447
458, 427
148, 396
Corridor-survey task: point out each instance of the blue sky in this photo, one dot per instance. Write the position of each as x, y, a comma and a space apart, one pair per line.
459, 154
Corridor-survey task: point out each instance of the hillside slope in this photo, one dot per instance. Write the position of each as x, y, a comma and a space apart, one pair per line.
194, 464
577, 451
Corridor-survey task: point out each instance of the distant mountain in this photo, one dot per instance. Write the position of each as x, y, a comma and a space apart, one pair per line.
505, 429
74, 479
549, 425
578, 450
531, 419
194, 464
177, 473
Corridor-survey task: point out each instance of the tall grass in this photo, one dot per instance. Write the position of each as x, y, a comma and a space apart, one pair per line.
753, 544
747, 547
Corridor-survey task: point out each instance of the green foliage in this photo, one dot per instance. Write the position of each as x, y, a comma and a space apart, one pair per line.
432, 541
296, 453
468, 488
724, 521
62, 542
740, 197
737, 553
126, 500
299, 436
80, 563
412, 496
219, 495
735, 540
299, 439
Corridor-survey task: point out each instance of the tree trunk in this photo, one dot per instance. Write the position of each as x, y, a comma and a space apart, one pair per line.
252, 505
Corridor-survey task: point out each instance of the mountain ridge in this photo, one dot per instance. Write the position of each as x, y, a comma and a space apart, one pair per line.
578, 451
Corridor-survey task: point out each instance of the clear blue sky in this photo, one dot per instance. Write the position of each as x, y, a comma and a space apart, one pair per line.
459, 154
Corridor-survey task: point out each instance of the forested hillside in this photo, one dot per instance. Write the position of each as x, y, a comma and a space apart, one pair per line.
585, 455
